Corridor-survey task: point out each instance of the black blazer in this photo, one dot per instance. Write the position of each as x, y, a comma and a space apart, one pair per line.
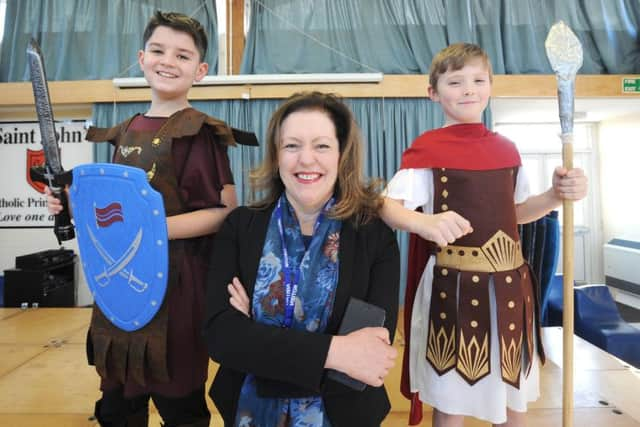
286, 362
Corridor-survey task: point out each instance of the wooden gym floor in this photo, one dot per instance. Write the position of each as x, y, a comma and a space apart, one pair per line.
45, 381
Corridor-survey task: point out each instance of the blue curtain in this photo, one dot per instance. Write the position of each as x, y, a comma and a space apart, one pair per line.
388, 128
88, 39
401, 36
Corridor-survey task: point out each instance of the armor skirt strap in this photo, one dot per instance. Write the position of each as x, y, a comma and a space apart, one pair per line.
510, 308
441, 344
474, 327
528, 294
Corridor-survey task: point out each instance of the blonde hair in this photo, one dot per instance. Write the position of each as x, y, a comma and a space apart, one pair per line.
454, 58
354, 198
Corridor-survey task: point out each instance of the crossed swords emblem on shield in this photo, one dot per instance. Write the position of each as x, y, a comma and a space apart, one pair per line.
118, 266
122, 237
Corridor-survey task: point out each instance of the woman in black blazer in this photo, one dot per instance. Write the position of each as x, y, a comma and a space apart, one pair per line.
284, 270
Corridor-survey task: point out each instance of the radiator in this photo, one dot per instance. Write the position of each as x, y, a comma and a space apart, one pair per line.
622, 265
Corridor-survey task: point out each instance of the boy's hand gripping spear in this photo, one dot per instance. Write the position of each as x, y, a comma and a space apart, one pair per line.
565, 55
51, 173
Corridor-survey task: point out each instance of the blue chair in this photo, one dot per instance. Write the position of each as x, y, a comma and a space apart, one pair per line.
598, 321
552, 304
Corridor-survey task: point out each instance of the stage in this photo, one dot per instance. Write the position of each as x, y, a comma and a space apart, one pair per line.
45, 381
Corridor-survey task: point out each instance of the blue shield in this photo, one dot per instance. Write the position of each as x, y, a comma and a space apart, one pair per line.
122, 235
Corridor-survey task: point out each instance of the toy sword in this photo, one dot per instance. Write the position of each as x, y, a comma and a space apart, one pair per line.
565, 55
51, 173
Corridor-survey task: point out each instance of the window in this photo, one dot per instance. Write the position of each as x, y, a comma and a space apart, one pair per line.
541, 152
223, 44
540, 149
3, 9
221, 12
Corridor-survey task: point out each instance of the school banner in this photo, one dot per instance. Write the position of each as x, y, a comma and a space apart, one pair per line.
22, 202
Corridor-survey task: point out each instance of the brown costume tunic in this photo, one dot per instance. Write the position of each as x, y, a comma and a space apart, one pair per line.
186, 161
474, 174
459, 318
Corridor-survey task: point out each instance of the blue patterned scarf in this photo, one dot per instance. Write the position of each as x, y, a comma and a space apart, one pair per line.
317, 280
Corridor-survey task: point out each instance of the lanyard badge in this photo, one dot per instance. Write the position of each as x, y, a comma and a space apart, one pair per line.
291, 274
291, 281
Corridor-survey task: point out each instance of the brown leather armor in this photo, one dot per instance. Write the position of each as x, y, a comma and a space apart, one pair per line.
459, 317
142, 354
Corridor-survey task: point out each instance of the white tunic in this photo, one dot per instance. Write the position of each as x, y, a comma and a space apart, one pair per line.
450, 393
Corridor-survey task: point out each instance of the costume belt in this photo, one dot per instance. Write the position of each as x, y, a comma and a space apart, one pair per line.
499, 253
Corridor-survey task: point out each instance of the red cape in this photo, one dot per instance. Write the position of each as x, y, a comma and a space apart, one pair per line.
469, 146
463, 146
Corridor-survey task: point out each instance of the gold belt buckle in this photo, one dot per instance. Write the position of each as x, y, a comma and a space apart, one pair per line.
499, 253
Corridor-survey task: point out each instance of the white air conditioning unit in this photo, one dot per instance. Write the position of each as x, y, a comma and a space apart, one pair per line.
622, 269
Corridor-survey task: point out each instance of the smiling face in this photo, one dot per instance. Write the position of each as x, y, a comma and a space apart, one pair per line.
171, 63
308, 155
463, 93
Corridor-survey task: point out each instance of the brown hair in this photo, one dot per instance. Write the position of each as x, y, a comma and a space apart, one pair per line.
455, 57
354, 198
178, 22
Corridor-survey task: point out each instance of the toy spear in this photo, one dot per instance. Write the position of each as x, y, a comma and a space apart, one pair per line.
565, 55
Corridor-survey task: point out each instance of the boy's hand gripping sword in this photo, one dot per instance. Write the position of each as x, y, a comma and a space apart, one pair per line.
565, 55
51, 173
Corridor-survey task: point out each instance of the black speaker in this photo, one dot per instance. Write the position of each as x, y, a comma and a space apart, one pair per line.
45, 278
44, 260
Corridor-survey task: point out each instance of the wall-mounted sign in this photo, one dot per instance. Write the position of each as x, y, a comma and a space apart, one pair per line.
22, 202
631, 85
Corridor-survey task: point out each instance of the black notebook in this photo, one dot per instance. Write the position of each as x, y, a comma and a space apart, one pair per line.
359, 314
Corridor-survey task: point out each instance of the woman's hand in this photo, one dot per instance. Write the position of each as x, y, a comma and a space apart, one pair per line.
238, 296
365, 355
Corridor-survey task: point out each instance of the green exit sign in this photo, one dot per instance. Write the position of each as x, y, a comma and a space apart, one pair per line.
631, 85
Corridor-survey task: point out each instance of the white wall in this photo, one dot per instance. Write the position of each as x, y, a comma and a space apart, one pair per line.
620, 191
619, 144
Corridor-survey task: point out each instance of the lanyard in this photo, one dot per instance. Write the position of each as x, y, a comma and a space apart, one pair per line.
292, 274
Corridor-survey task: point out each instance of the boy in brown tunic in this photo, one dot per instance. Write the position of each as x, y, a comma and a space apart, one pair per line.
184, 154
